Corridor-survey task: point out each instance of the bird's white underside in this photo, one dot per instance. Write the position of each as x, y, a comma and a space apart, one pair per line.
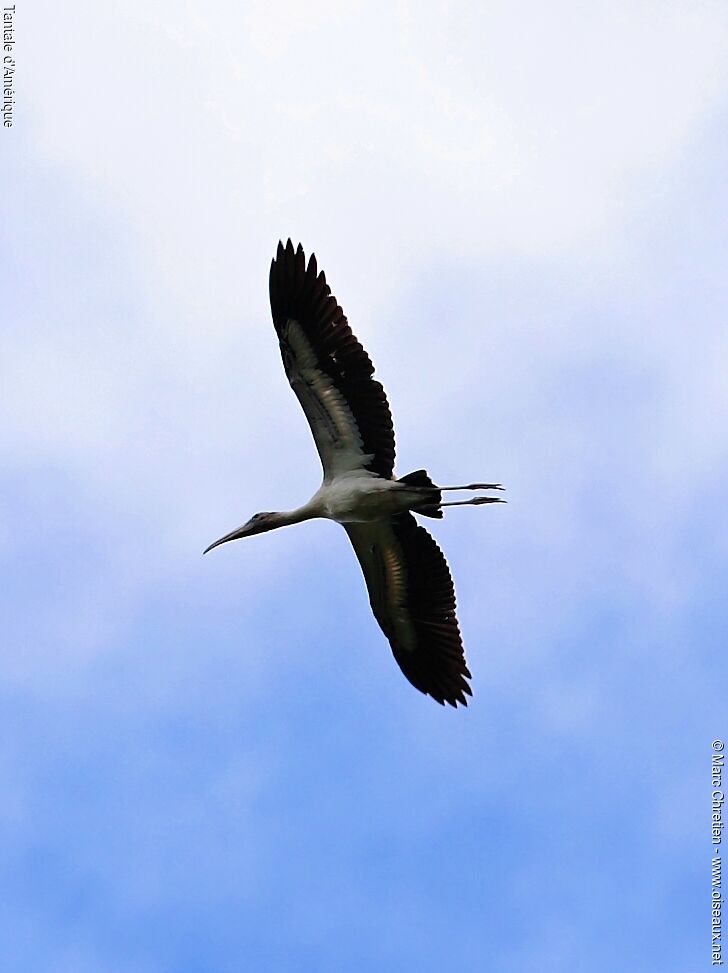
351, 494
409, 585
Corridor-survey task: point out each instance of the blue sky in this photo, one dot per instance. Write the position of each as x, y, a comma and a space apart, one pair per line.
214, 764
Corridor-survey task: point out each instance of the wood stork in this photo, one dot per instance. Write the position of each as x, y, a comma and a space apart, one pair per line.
409, 583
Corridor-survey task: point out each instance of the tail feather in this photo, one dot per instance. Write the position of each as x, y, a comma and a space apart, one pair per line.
430, 501
418, 478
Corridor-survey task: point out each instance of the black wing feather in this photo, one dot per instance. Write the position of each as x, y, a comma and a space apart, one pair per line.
435, 662
298, 292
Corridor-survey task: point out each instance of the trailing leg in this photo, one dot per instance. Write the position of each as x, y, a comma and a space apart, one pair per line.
475, 502
474, 486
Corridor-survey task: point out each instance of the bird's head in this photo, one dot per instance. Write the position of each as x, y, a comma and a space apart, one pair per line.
257, 524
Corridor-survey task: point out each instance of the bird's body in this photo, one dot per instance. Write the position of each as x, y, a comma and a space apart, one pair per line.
410, 588
362, 497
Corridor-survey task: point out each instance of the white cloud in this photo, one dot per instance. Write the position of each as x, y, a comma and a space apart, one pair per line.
424, 149
377, 131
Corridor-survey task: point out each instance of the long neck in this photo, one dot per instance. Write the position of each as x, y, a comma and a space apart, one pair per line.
260, 525
285, 518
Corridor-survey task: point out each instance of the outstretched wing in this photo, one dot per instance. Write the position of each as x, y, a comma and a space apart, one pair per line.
329, 370
413, 599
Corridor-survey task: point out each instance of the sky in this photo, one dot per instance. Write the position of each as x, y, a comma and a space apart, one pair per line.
214, 764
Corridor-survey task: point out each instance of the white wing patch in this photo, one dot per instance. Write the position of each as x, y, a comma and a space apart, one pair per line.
384, 571
332, 422
396, 595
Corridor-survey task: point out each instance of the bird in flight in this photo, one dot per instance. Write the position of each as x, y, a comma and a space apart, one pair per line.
410, 588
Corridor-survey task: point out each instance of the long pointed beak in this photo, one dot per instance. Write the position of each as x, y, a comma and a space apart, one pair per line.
232, 536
